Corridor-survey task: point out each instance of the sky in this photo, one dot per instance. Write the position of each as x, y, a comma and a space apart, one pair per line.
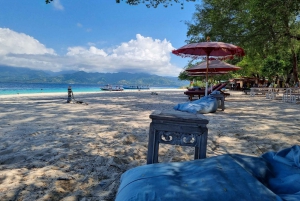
93, 36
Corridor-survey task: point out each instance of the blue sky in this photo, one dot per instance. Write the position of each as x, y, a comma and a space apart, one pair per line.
93, 36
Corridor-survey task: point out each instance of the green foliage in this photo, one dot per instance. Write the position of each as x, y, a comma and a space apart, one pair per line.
183, 75
198, 83
265, 29
274, 66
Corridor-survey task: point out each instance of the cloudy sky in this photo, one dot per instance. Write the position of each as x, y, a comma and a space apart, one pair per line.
93, 36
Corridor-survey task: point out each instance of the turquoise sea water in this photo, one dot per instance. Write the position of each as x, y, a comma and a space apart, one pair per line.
31, 88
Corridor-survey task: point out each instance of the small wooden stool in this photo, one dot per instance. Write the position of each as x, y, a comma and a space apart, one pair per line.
177, 128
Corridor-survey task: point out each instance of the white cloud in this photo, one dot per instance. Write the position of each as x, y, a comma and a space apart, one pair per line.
73, 51
20, 43
79, 24
142, 54
57, 5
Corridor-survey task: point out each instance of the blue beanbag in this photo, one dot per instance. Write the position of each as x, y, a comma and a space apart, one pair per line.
274, 176
206, 104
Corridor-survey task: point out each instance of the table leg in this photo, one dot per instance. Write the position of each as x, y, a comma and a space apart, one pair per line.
200, 149
222, 103
153, 146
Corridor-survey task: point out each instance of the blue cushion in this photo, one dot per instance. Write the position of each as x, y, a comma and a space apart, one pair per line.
273, 176
206, 104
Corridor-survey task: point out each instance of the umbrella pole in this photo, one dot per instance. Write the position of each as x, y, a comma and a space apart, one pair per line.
211, 84
206, 85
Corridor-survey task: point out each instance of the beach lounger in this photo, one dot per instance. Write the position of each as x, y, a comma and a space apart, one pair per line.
200, 93
220, 90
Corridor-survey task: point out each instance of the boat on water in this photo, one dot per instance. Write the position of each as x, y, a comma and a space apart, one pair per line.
137, 87
109, 87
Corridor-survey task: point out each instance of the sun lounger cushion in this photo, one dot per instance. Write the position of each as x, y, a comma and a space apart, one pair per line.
273, 176
206, 104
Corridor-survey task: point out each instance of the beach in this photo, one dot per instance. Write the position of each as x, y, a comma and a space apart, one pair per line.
54, 150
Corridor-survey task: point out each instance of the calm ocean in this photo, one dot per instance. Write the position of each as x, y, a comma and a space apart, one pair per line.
30, 88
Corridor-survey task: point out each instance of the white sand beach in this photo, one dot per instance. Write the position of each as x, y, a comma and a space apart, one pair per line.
54, 150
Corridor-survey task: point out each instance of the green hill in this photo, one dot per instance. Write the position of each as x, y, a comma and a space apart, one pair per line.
26, 75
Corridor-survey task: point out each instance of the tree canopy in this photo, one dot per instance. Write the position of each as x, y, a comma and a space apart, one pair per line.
268, 30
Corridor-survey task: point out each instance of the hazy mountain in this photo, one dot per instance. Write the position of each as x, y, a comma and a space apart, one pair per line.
26, 75
60, 72
11, 74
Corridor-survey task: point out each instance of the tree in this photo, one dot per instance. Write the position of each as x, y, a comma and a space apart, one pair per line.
183, 75
149, 3
262, 28
274, 68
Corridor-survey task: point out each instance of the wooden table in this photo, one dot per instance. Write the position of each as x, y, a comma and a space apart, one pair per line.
177, 128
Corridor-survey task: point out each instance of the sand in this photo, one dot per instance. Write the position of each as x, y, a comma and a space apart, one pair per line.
53, 150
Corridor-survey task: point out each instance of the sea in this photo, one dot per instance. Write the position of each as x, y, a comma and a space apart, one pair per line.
34, 88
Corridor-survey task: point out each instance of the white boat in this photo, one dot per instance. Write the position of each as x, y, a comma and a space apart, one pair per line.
137, 87
109, 87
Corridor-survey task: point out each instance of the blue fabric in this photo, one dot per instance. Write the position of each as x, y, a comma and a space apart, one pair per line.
273, 176
206, 104
285, 169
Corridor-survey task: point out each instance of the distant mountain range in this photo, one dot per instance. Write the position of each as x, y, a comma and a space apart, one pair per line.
26, 75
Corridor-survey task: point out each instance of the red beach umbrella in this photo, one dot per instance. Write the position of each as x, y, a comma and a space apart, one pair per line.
204, 73
213, 66
209, 49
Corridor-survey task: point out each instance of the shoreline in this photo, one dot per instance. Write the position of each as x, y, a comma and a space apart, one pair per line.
80, 93
53, 150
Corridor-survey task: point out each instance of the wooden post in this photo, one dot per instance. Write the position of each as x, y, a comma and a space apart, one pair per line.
69, 94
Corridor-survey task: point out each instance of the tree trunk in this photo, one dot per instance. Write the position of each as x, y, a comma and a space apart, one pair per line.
295, 67
289, 76
277, 80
